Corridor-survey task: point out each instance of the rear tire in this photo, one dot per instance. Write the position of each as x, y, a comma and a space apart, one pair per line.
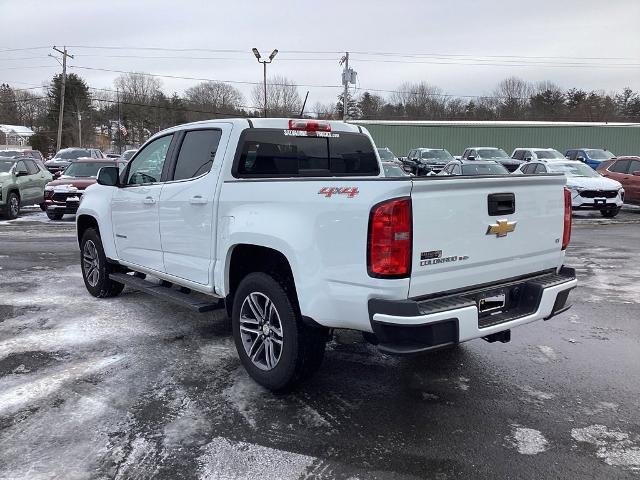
95, 268
275, 347
610, 212
55, 215
12, 208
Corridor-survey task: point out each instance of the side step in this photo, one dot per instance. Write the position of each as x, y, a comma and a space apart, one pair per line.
167, 293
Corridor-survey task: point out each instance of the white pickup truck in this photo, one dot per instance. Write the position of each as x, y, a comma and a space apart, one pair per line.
292, 227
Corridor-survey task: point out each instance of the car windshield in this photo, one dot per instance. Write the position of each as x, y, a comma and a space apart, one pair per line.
484, 169
548, 154
85, 169
599, 154
385, 154
10, 153
573, 169
5, 165
391, 170
436, 155
72, 154
492, 153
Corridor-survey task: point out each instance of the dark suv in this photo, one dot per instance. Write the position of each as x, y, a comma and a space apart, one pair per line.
66, 156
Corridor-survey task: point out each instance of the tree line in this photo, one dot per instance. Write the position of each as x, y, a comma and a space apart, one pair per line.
138, 103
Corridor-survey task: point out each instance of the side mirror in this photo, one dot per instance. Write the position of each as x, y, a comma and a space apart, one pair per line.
109, 176
471, 157
57, 174
527, 159
580, 159
636, 173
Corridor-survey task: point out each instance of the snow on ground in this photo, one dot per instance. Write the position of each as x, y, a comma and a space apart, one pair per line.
614, 447
527, 440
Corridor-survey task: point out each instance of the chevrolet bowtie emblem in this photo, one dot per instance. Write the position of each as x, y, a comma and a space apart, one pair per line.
501, 228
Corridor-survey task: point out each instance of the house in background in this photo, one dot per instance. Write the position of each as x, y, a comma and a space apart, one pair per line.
15, 136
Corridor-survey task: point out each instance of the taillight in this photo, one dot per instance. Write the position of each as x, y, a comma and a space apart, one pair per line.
566, 234
309, 125
390, 232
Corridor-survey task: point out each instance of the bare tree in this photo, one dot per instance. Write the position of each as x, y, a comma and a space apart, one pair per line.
325, 111
138, 94
512, 95
31, 108
420, 100
283, 98
213, 97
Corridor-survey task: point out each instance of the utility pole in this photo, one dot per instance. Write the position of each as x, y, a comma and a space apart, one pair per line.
349, 75
64, 82
119, 124
264, 64
79, 129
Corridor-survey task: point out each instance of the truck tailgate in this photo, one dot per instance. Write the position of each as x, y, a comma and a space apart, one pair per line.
459, 242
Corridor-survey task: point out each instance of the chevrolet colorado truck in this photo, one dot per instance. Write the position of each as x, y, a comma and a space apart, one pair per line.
292, 227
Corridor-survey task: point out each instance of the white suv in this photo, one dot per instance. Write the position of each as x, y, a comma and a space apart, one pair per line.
534, 153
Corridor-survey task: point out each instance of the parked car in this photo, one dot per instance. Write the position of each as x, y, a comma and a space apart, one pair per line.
22, 152
392, 169
591, 156
22, 182
492, 153
62, 196
386, 155
423, 161
625, 170
66, 156
528, 153
589, 189
291, 226
127, 154
473, 167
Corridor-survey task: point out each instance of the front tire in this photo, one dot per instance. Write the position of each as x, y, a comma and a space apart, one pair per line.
610, 212
12, 209
55, 215
275, 347
95, 268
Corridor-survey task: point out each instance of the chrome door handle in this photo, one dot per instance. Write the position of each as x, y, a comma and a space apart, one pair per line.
149, 200
197, 200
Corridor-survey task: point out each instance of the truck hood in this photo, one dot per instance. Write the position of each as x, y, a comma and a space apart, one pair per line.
57, 161
79, 182
593, 183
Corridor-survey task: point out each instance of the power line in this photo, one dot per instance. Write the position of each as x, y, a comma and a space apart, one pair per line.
2, 50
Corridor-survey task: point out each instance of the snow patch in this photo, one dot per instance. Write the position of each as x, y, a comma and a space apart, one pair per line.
226, 460
548, 352
527, 440
243, 394
537, 395
614, 447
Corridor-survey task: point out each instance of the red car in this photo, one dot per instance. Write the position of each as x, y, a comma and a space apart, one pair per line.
62, 196
625, 170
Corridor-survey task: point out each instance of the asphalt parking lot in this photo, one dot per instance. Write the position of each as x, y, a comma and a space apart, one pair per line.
133, 387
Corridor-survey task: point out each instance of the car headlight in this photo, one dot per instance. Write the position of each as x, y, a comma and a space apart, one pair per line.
48, 189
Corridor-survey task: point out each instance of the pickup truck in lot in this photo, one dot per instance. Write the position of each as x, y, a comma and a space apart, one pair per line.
292, 227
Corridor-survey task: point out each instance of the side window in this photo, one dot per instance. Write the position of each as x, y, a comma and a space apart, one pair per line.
472, 153
540, 168
571, 154
621, 166
518, 155
197, 153
32, 167
526, 169
148, 164
465, 154
527, 154
634, 166
21, 167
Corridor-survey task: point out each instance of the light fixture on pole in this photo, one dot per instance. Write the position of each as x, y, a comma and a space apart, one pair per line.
264, 65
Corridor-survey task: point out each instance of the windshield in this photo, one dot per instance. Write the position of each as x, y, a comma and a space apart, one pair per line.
85, 169
5, 165
492, 153
600, 154
386, 154
393, 171
436, 155
484, 169
573, 170
548, 154
10, 153
72, 154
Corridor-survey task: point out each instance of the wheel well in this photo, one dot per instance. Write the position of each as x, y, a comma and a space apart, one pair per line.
83, 223
13, 190
246, 259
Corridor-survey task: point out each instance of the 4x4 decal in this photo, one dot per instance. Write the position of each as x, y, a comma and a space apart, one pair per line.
328, 192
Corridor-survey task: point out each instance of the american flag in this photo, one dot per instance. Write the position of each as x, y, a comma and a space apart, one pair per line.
123, 130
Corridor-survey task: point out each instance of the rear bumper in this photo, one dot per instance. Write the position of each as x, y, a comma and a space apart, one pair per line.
414, 326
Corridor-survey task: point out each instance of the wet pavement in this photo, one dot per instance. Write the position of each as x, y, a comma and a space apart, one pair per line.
133, 387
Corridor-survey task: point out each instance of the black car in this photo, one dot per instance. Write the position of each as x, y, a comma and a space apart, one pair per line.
425, 161
67, 156
494, 154
474, 167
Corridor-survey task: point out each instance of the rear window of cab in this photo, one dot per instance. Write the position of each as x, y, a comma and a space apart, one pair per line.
272, 153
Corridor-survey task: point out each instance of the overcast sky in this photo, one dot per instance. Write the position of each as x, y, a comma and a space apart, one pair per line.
472, 44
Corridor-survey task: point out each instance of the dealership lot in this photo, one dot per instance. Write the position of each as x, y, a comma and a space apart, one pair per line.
135, 387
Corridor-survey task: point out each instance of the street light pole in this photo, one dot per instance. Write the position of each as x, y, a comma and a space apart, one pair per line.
264, 65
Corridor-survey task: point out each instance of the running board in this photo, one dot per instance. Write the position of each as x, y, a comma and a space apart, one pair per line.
167, 293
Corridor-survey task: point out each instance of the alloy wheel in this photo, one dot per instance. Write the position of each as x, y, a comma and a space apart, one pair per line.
261, 331
14, 206
91, 263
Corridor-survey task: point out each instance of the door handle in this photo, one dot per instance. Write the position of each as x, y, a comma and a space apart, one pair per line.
197, 200
149, 201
